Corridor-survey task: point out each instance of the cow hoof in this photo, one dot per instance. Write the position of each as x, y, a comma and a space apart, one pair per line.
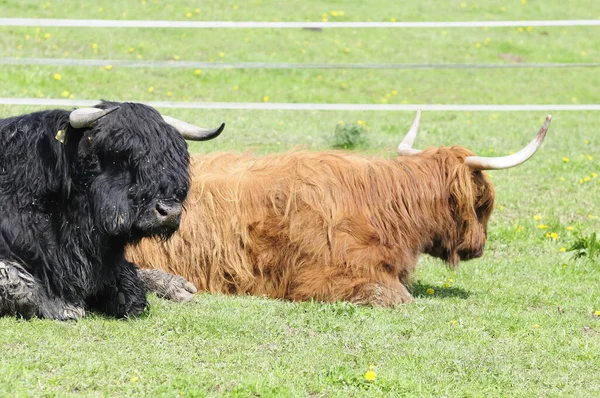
178, 289
168, 286
59, 310
72, 313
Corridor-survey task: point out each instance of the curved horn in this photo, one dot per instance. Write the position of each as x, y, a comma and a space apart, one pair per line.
85, 117
405, 148
504, 162
191, 132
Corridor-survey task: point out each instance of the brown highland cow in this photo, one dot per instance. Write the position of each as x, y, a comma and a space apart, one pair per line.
329, 225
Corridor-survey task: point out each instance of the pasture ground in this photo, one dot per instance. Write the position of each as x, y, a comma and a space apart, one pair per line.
521, 321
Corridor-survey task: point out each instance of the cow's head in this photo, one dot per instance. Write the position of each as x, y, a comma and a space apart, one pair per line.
133, 164
462, 230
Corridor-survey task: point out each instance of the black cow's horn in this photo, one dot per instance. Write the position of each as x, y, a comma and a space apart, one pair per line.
85, 117
191, 132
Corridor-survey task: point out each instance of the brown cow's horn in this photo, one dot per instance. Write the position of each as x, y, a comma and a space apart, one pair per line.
85, 117
405, 148
191, 132
504, 162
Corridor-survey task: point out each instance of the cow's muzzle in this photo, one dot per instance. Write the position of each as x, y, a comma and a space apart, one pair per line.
168, 214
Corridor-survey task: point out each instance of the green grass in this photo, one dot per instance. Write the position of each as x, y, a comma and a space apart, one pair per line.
517, 322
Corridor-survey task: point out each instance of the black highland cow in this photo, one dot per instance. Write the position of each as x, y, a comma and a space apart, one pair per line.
75, 188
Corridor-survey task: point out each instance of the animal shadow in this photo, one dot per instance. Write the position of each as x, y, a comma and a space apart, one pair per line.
420, 290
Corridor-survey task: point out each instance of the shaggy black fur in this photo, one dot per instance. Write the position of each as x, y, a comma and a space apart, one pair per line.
68, 209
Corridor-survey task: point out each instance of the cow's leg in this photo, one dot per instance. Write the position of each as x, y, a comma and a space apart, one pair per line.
125, 298
359, 286
168, 286
380, 294
21, 294
19, 291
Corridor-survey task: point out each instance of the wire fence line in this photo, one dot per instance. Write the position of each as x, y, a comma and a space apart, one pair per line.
112, 23
274, 65
314, 106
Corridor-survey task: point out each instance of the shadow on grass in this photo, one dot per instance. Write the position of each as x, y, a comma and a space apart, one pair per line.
420, 290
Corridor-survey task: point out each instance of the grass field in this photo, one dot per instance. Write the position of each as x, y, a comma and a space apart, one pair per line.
521, 321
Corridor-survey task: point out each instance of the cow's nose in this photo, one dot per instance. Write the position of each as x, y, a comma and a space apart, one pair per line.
168, 214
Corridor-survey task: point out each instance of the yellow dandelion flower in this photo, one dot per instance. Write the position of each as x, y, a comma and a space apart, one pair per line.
590, 216
487, 41
108, 67
235, 7
383, 100
542, 226
57, 76
523, 2
597, 313
589, 157
583, 53
346, 50
566, 160
554, 235
502, 8
500, 207
535, 326
19, 47
94, 46
176, 57
537, 217
370, 375
529, 28
587, 178
65, 94
266, 98
562, 249
519, 29
430, 291
188, 14
319, 77
150, 89
477, 45
131, 49
324, 19
46, 35
139, 56
581, 181
392, 19
169, 94
463, 4
100, 9
135, 379
444, 33
27, 37
594, 175
573, 99
562, 178
197, 11
197, 72
236, 88
221, 54
333, 13
453, 322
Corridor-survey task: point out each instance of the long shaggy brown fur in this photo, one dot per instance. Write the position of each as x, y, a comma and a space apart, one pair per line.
325, 226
